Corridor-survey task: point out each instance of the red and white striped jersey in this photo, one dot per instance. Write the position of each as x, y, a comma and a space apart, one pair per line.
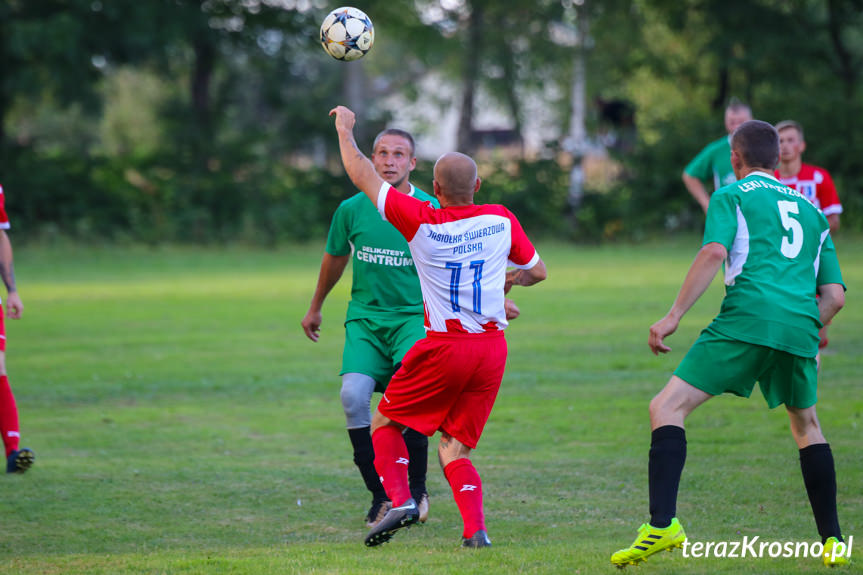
4, 219
816, 185
461, 254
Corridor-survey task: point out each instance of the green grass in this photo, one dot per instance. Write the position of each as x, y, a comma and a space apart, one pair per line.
183, 423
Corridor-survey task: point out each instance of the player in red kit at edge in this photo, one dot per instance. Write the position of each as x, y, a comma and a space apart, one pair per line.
448, 380
17, 460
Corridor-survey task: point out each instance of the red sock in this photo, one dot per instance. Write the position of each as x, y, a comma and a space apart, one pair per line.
8, 416
391, 462
467, 490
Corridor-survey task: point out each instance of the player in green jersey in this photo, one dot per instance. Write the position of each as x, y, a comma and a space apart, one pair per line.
712, 163
385, 314
777, 252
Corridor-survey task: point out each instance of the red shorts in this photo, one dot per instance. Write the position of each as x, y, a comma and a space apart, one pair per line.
448, 382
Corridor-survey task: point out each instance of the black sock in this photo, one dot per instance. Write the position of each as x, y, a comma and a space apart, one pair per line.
819, 476
667, 456
364, 457
418, 453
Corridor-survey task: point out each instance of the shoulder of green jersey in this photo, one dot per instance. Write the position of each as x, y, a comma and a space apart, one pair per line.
423, 196
724, 141
759, 179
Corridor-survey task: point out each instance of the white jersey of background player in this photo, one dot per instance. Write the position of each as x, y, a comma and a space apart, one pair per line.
461, 255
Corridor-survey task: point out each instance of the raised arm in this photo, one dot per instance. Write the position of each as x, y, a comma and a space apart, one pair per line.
332, 268
701, 273
360, 169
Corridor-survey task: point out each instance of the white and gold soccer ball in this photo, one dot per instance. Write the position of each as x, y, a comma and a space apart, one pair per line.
347, 34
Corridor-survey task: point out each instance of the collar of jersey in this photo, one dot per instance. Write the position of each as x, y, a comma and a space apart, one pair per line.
763, 174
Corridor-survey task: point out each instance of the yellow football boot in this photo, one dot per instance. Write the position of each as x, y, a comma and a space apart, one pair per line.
650, 540
841, 553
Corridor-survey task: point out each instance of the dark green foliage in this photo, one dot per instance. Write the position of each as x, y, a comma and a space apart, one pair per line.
536, 192
155, 200
243, 149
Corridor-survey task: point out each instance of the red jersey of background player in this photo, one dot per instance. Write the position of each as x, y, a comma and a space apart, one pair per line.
816, 185
4, 219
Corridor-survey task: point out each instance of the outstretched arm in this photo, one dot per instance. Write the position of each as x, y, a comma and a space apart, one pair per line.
360, 169
332, 268
701, 273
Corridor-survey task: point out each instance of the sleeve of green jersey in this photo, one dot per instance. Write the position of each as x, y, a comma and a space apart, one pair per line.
337, 238
828, 267
721, 224
700, 167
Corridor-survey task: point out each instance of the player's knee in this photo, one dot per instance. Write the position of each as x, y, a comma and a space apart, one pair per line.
356, 399
656, 408
357, 411
804, 422
808, 423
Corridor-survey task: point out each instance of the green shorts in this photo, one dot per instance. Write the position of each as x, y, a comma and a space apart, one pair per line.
717, 364
374, 346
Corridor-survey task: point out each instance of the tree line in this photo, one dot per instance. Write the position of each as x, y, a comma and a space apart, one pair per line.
204, 121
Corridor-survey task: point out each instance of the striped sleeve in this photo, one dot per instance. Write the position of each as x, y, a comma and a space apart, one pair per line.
522, 254
402, 211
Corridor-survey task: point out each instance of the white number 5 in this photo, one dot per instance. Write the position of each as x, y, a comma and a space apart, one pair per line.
790, 248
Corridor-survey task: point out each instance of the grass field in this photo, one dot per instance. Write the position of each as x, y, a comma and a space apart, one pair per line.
183, 423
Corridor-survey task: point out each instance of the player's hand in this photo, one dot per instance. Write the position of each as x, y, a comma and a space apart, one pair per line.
512, 310
510, 280
345, 118
14, 307
659, 331
312, 324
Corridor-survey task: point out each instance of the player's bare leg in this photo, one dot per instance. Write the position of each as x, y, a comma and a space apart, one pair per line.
466, 488
674, 403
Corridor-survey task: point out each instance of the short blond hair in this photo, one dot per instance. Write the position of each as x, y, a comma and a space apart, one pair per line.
785, 124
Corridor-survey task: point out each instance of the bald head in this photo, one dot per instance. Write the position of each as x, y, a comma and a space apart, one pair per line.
455, 177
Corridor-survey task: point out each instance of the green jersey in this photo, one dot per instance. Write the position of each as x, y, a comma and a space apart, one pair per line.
385, 280
714, 161
779, 251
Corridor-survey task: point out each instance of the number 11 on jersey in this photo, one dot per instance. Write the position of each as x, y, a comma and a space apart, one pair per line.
455, 282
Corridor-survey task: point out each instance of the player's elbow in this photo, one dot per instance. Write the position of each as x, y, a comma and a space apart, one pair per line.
840, 301
837, 298
538, 272
715, 252
832, 297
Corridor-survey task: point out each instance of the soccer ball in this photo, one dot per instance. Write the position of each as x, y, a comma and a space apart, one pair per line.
347, 34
